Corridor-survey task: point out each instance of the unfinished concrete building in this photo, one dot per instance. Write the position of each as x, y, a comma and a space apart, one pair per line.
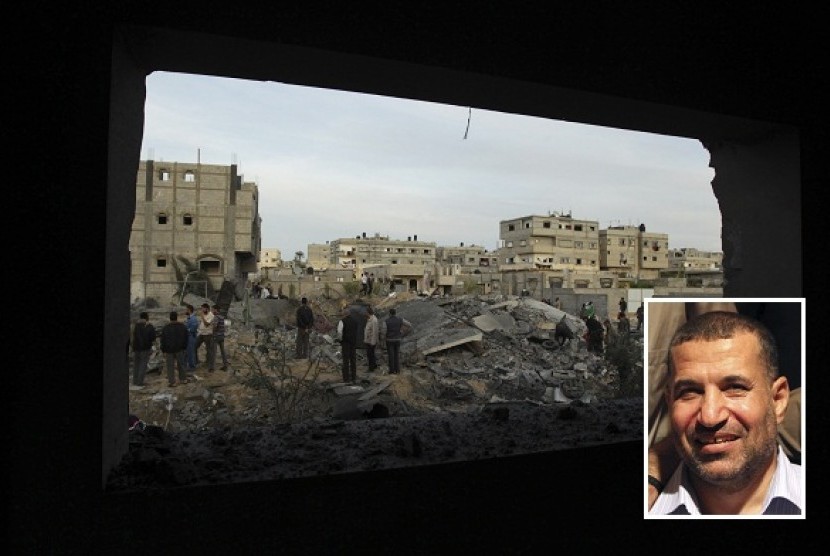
193, 222
632, 254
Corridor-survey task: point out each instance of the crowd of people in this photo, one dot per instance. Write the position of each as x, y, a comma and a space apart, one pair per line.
181, 345
180, 342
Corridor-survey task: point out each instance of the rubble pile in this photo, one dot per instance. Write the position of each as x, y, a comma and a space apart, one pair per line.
481, 377
464, 352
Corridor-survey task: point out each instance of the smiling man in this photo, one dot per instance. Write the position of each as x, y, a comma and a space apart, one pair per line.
725, 401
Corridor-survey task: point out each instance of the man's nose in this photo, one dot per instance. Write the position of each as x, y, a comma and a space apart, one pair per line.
713, 410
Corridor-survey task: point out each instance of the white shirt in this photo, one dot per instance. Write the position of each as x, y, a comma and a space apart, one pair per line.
785, 491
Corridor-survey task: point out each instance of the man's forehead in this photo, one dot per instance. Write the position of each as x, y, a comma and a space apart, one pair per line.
741, 352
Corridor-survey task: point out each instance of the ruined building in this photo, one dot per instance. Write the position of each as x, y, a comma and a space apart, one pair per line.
192, 217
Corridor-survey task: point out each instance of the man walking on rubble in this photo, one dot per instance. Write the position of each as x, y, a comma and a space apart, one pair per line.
392, 330
305, 321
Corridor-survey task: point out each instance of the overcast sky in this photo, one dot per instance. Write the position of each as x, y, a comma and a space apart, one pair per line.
331, 164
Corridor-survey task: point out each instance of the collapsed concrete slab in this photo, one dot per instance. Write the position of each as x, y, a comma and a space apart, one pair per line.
443, 339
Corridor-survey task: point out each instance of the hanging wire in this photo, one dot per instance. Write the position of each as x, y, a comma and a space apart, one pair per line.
469, 115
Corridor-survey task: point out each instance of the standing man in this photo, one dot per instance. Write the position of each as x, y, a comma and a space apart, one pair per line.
305, 321
191, 322
370, 337
393, 329
370, 283
640, 317
364, 283
726, 399
144, 334
348, 328
204, 335
219, 336
623, 305
174, 340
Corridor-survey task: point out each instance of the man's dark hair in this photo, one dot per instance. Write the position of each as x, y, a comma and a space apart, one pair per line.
304, 300
392, 311
174, 315
722, 325
144, 315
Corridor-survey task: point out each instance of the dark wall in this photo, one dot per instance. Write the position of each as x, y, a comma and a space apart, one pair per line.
757, 64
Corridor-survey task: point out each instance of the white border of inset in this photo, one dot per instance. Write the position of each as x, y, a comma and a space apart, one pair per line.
803, 302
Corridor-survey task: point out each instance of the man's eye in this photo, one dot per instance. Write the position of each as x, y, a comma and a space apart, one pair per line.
737, 388
686, 394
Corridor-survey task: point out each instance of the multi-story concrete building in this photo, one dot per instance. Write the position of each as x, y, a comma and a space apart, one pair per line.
363, 252
410, 264
192, 217
689, 258
554, 242
631, 253
467, 257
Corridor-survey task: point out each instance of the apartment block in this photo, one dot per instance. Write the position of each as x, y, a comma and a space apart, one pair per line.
554, 242
192, 217
362, 252
632, 253
467, 258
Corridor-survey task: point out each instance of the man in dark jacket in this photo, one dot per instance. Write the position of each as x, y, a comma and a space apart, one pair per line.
393, 329
174, 339
305, 321
144, 334
349, 328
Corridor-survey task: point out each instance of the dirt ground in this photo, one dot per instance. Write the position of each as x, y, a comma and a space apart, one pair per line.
231, 427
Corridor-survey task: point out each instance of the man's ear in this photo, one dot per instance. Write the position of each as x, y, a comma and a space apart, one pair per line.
780, 397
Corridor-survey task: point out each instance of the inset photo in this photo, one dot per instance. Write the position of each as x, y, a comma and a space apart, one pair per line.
725, 408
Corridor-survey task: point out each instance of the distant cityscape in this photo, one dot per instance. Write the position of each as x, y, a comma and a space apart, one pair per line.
201, 222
